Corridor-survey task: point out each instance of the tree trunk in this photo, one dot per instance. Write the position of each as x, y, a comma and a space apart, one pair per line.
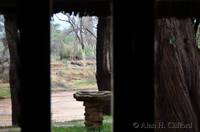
82, 42
177, 75
11, 35
103, 57
103, 73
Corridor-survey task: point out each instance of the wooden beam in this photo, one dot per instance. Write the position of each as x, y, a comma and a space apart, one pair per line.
7, 6
86, 7
178, 8
100, 8
97, 7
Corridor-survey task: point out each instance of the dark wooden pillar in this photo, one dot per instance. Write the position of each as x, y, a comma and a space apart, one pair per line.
12, 41
34, 54
133, 65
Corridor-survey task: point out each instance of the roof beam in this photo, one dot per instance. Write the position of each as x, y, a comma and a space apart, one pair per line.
85, 7
177, 8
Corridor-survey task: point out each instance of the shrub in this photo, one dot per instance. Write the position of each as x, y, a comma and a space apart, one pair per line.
66, 51
69, 52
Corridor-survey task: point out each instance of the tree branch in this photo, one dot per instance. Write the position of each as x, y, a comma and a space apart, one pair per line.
91, 33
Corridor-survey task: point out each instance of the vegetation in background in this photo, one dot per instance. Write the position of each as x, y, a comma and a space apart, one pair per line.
10, 129
4, 90
198, 37
77, 42
65, 48
71, 69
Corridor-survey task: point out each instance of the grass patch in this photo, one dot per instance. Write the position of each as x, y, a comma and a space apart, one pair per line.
78, 126
104, 128
10, 129
82, 84
85, 82
4, 90
69, 123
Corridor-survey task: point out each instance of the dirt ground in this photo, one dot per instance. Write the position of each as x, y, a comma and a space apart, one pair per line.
64, 108
65, 81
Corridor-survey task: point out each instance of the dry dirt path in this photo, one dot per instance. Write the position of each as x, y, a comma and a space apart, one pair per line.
64, 108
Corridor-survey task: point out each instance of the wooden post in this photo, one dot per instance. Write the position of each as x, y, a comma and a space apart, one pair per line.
34, 54
133, 65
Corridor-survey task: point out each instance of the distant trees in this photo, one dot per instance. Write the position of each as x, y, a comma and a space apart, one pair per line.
4, 53
78, 41
197, 29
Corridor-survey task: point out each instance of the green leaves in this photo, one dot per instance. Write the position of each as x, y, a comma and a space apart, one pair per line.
172, 40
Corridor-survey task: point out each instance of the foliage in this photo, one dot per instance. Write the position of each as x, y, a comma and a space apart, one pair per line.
10, 129
69, 39
198, 37
90, 52
4, 90
70, 52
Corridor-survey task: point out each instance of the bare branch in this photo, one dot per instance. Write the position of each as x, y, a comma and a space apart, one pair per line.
91, 33
76, 28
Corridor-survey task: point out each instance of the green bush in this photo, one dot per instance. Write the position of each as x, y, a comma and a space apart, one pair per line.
66, 51
70, 52
78, 54
89, 52
69, 39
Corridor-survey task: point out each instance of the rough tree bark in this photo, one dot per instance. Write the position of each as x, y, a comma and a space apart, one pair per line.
177, 75
103, 73
12, 37
103, 57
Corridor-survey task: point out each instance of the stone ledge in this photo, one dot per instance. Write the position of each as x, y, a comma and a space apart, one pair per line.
93, 102
93, 95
